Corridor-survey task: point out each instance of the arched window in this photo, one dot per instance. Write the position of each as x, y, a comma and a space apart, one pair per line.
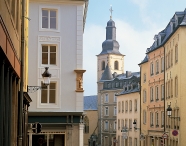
86, 128
116, 64
103, 65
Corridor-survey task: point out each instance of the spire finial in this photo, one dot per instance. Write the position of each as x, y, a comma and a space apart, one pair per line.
111, 11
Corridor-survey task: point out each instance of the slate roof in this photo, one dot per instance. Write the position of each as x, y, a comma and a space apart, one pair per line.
90, 102
132, 90
178, 19
107, 74
110, 45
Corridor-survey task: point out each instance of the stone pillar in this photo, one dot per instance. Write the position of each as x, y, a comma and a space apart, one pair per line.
81, 127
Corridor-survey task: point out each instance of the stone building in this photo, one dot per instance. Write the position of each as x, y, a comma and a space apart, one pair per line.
110, 62
90, 120
14, 100
56, 42
128, 110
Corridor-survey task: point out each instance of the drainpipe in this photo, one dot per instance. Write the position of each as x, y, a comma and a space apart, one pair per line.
20, 134
164, 89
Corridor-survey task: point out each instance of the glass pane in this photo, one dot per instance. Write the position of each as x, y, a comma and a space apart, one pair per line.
44, 22
43, 96
51, 140
44, 13
44, 58
52, 48
52, 96
52, 23
53, 58
52, 85
52, 13
44, 48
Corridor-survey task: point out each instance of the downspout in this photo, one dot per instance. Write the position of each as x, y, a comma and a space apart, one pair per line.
140, 102
20, 134
164, 90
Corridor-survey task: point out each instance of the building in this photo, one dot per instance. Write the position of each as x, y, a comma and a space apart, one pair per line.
110, 62
13, 75
152, 86
90, 120
170, 41
56, 42
128, 107
174, 45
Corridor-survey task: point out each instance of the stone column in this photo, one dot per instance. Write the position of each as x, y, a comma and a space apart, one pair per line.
81, 127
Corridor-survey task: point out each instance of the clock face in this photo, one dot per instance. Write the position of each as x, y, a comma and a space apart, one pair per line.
174, 132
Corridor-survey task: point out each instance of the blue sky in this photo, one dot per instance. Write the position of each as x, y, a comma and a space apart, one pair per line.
137, 21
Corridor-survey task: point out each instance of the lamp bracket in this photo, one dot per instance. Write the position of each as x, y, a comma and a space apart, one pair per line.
32, 89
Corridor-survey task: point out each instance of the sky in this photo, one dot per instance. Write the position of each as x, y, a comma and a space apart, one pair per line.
137, 22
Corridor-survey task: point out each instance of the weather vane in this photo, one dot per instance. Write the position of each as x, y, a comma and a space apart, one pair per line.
111, 11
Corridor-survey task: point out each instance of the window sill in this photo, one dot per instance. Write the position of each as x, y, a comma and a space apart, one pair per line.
49, 30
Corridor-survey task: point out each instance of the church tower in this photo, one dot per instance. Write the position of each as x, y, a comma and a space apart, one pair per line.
110, 52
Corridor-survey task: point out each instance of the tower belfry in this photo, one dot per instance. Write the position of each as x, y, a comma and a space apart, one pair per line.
110, 53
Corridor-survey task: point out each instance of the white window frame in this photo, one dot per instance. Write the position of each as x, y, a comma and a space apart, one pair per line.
106, 125
49, 105
115, 125
115, 99
151, 69
162, 118
157, 119
157, 67
151, 94
157, 92
106, 111
57, 9
162, 92
115, 110
144, 116
144, 96
151, 119
162, 64
106, 98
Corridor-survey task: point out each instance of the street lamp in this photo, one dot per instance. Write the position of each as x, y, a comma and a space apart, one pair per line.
46, 81
169, 112
134, 123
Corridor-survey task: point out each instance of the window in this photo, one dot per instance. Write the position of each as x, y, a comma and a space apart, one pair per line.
157, 92
115, 124
135, 105
106, 98
126, 106
119, 107
176, 54
162, 92
171, 57
162, 64
144, 96
86, 122
118, 124
122, 106
151, 69
103, 65
106, 125
171, 87
116, 65
48, 95
157, 67
49, 19
144, 117
106, 111
151, 119
144, 78
151, 94
126, 123
130, 105
176, 86
130, 124
115, 99
115, 111
130, 141
135, 142
157, 120
48, 54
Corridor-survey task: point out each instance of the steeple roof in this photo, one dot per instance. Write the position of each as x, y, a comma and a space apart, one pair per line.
110, 45
107, 74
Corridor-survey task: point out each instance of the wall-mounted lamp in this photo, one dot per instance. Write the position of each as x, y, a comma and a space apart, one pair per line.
169, 112
46, 81
134, 123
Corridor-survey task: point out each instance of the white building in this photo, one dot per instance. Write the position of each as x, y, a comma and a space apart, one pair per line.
56, 41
